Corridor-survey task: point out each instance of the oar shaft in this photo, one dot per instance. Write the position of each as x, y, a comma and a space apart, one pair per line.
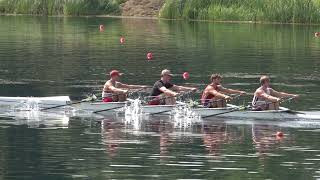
63, 105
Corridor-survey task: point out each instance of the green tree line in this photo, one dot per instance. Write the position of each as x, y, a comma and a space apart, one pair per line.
285, 11
60, 7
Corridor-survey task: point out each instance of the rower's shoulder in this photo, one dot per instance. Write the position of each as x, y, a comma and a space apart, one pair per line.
259, 90
209, 87
157, 82
108, 83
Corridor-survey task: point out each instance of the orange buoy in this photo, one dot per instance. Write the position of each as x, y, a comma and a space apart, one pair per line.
185, 75
122, 40
149, 56
317, 34
101, 27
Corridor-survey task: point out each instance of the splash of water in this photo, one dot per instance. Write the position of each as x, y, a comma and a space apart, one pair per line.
183, 116
31, 104
133, 114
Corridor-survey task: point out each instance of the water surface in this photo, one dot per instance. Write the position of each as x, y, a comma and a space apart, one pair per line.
47, 56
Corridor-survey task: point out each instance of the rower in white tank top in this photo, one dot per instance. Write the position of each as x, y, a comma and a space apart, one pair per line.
256, 101
266, 98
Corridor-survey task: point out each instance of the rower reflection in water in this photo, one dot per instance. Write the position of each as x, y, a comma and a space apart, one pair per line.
111, 135
214, 95
164, 92
115, 91
265, 141
266, 98
217, 135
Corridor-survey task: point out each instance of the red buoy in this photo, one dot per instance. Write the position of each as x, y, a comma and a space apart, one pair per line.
317, 34
101, 27
149, 56
185, 75
279, 134
122, 40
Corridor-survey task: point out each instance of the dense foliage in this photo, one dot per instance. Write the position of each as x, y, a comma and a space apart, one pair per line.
60, 7
291, 11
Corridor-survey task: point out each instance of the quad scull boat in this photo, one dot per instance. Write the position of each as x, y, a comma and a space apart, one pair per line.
231, 111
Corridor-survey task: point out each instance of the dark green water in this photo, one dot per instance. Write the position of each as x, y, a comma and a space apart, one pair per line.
69, 56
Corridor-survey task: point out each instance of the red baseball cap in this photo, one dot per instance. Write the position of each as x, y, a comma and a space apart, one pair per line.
115, 73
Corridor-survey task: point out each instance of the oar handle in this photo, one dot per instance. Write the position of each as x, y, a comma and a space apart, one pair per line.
63, 105
166, 97
282, 100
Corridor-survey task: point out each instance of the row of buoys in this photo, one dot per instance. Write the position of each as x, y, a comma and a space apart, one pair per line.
122, 40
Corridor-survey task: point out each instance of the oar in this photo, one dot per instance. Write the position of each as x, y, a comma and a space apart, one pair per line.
166, 97
291, 111
92, 98
136, 91
213, 100
130, 93
160, 112
181, 94
105, 110
217, 114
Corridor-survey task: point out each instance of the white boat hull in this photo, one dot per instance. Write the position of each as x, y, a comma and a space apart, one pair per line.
270, 114
157, 109
33, 102
100, 107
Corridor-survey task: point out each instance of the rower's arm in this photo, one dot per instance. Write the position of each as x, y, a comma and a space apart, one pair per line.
267, 96
117, 90
127, 86
183, 88
167, 92
218, 94
282, 94
232, 91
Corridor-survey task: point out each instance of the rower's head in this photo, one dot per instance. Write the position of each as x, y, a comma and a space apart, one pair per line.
115, 75
216, 78
265, 81
166, 75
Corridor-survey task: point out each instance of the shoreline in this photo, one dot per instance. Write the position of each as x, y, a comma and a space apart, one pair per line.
158, 18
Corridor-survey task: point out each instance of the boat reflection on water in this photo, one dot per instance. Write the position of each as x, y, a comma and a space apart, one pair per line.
111, 136
266, 140
37, 119
165, 129
216, 135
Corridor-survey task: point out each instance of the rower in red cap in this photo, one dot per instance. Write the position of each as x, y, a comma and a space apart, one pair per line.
115, 91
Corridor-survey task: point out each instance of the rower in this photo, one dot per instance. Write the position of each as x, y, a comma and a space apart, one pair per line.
266, 98
214, 95
164, 92
115, 91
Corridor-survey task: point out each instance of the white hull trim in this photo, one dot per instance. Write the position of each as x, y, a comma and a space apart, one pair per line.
283, 113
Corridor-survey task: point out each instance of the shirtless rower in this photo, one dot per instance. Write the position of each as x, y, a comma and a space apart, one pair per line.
214, 95
164, 92
115, 91
266, 98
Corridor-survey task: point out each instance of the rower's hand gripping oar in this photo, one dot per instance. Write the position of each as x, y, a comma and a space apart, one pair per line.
128, 93
89, 99
179, 95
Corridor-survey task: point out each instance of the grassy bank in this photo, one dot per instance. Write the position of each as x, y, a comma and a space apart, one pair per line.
285, 11
60, 7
